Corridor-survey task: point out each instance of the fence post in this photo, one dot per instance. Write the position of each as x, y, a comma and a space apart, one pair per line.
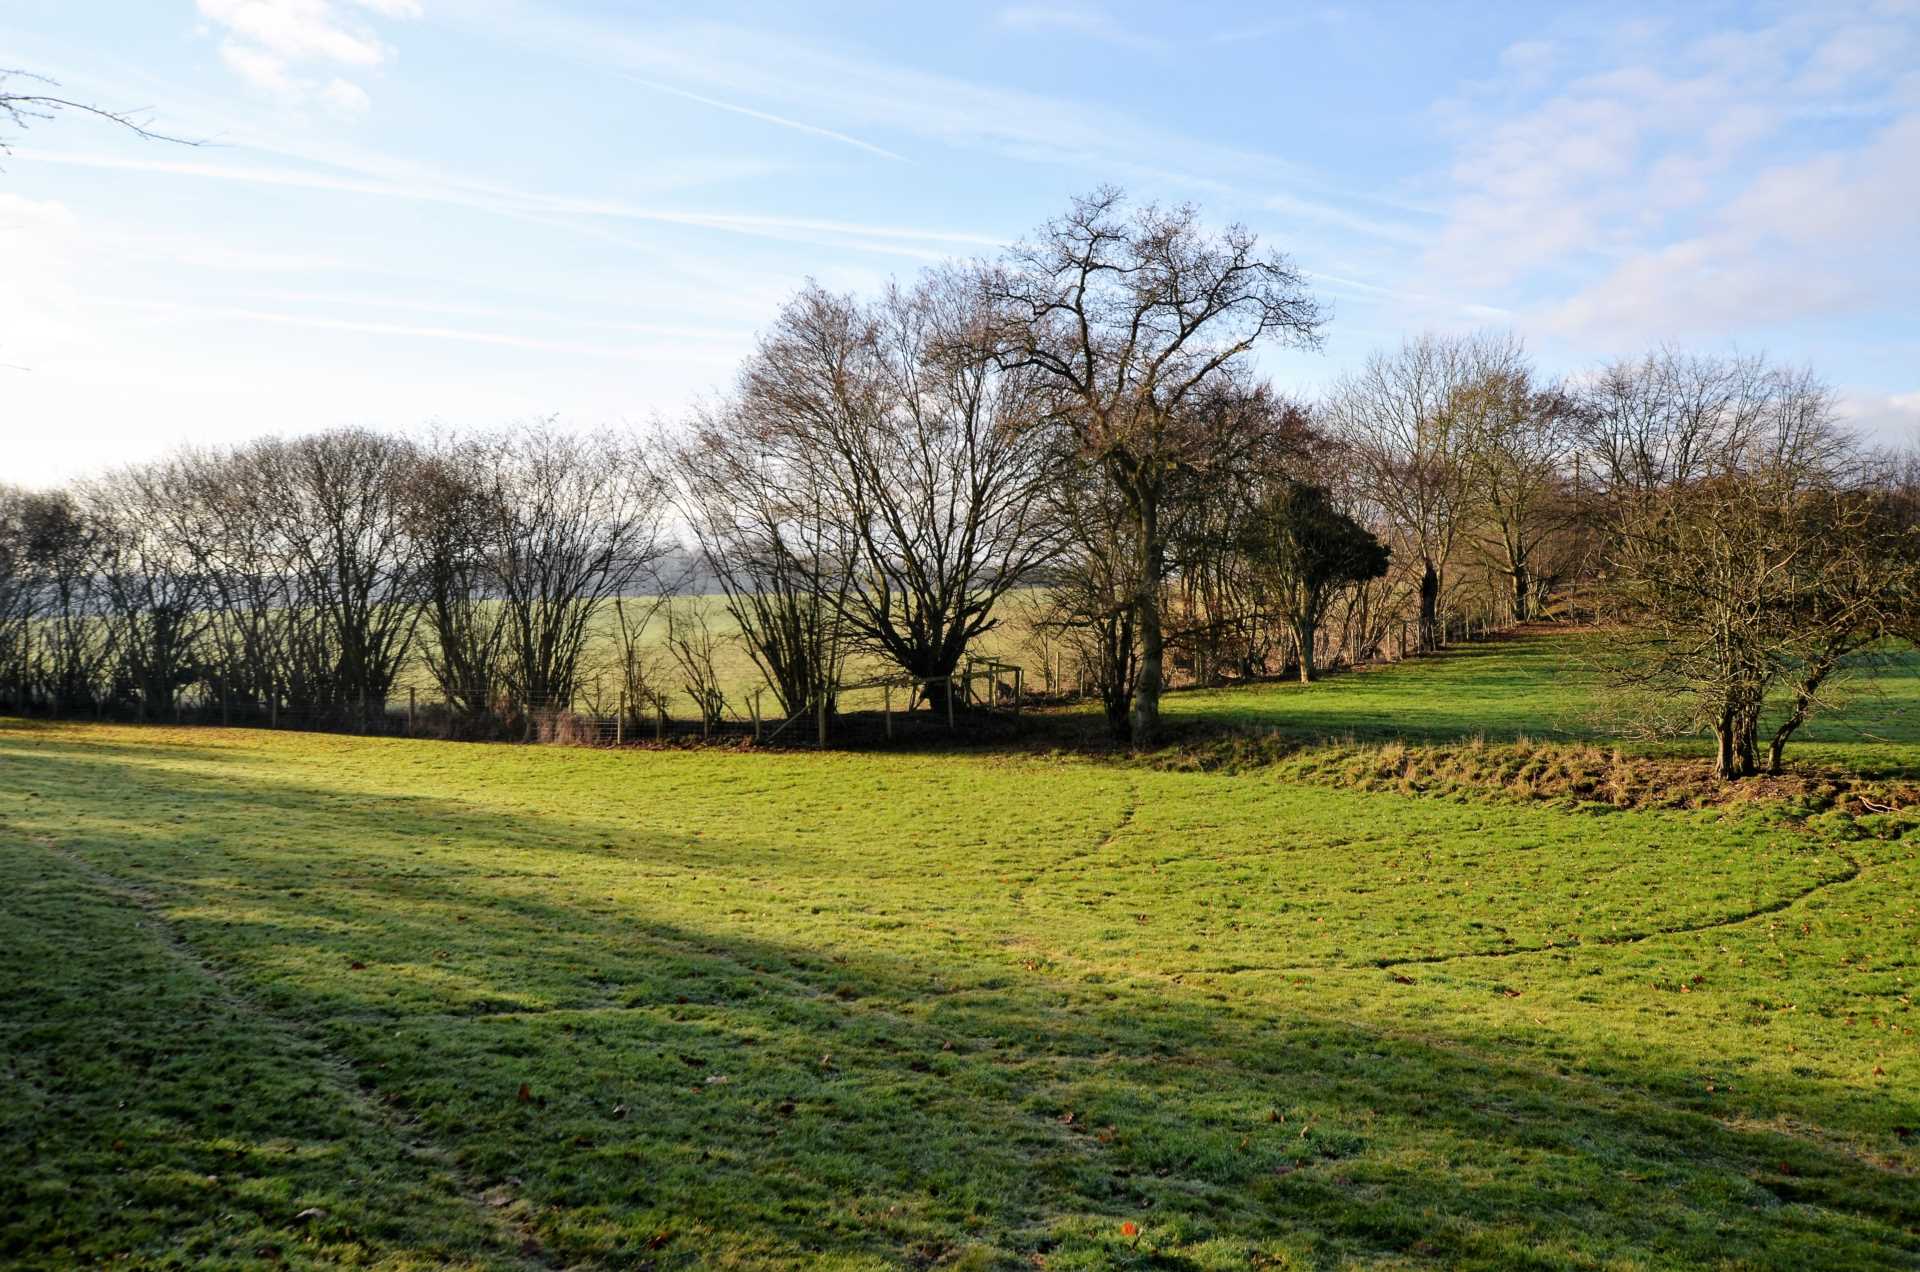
886, 700
1019, 687
820, 711
949, 699
660, 727
273, 702
413, 702
620, 721
755, 700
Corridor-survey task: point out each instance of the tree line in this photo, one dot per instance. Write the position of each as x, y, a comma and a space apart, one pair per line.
1077, 427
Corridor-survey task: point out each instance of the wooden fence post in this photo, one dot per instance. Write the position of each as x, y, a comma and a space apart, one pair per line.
820, 712
1019, 688
273, 702
620, 721
413, 703
756, 715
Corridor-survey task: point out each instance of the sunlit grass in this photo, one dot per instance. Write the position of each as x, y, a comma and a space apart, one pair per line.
1546, 685
493, 1004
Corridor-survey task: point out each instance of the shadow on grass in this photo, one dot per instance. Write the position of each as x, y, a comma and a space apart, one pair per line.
634, 1081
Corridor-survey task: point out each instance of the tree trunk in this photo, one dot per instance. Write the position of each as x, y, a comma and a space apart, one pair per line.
1522, 593
1723, 736
1745, 760
1429, 609
1303, 636
1152, 673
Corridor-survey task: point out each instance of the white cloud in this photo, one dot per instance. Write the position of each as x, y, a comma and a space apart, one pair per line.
297, 29
346, 98
1680, 188
392, 8
1888, 419
1832, 234
268, 42
259, 68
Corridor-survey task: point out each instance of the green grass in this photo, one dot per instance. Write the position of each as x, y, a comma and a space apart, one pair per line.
1545, 685
511, 1006
332, 1001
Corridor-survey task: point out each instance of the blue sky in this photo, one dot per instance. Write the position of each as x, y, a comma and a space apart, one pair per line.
477, 211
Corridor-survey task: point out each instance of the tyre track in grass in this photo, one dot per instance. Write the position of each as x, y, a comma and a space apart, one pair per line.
1129, 808
516, 1243
1854, 872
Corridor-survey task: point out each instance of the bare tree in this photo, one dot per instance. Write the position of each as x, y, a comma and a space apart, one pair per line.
1409, 428
154, 599
1746, 547
1219, 615
338, 506
580, 520
454, 515
1131, 320
641, 666
765, 515
19, 591
1521, 443
931, 452
66, 650
694, 648
1089, 594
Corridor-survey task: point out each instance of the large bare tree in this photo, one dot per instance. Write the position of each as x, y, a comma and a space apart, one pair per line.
932, 454
1408, 421
337, 506
1133, 317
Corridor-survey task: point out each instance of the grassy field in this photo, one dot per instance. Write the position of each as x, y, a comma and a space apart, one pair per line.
1010, 640
338, 1001
1545, 685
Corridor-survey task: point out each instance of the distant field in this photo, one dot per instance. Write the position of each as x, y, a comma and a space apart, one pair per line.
341, 1001
1008, 641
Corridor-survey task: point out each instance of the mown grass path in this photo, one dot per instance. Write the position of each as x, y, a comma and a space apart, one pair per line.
338, 1001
